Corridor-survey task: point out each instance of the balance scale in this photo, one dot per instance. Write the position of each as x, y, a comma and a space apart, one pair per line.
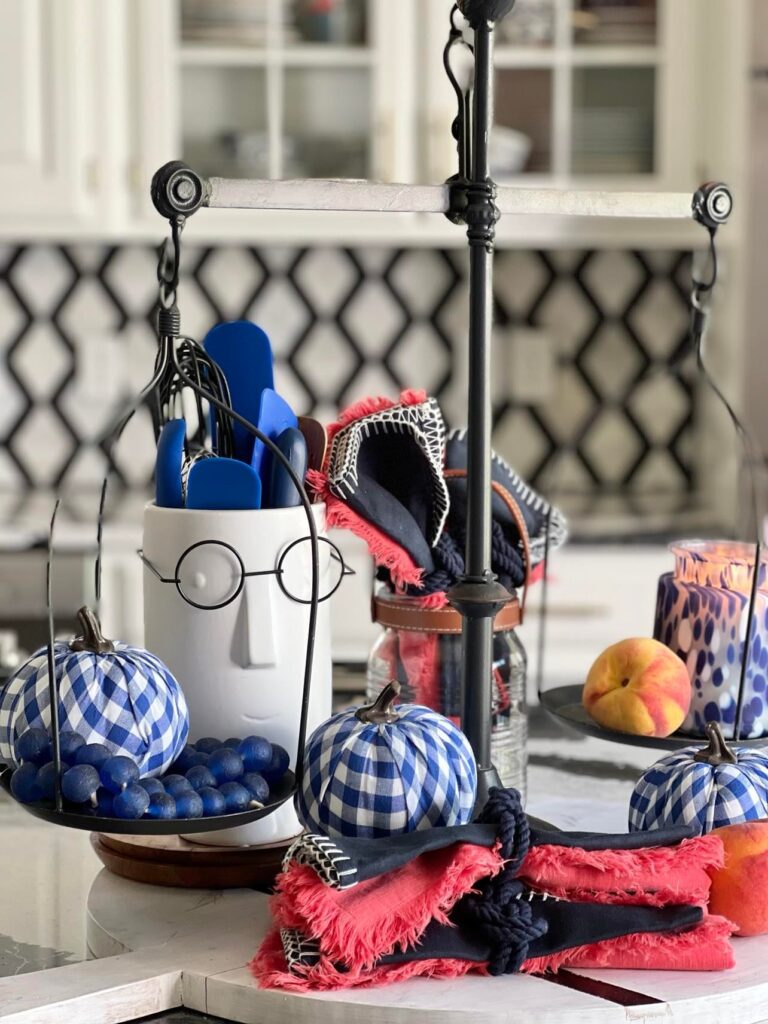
158, 949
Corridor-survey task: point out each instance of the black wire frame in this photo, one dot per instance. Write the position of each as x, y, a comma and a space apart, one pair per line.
167, 358
701, 293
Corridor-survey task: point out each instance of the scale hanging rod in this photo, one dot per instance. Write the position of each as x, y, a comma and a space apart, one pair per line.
178, 190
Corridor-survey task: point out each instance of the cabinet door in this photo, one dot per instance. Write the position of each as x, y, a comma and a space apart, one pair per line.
274, 89
591, 93
47, 118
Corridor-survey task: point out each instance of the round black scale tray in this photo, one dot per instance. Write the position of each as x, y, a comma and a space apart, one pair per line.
563, 703
46, 811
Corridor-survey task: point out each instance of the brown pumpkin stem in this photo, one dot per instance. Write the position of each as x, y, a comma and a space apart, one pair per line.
92, 639
381, 711
718, 751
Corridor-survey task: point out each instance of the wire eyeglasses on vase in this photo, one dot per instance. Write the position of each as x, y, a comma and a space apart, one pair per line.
211, 574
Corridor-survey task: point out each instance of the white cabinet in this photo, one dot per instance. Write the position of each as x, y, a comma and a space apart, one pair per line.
98, 95
274, 89
50, 116
587, 93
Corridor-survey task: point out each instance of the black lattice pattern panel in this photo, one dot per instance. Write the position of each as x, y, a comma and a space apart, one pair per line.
599, 410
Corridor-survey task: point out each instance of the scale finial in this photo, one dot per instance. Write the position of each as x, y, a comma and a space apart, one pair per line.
478, 11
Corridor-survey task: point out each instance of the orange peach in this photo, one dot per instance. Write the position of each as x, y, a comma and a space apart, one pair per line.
740, 887
638, 686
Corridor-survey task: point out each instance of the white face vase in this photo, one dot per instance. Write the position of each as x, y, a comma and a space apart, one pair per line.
231, 623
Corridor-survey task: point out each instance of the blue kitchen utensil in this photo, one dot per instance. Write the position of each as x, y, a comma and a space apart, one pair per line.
275, 415
281, 492
168, 465
244, 353
223, 484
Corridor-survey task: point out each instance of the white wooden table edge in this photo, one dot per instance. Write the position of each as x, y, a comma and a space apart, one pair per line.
191, 948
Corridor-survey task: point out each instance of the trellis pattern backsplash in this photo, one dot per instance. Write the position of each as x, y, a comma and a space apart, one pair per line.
580, 342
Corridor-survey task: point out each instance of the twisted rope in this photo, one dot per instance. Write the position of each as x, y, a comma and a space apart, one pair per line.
448, 553
502, 918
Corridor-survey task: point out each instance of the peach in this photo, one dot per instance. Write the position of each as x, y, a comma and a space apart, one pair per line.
740, 887
638, 686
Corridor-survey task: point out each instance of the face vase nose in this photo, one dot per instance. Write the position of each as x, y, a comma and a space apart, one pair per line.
255, 645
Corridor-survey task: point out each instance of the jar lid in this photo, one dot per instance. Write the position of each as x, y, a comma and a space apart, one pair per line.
406, 614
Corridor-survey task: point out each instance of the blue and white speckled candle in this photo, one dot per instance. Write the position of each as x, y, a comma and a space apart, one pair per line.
701, 614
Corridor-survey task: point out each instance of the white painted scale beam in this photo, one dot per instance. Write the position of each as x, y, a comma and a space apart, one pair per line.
371, 197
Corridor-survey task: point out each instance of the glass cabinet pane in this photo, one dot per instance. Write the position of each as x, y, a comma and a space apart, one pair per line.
522, 134
224, 121
615, 22
613, 130
327, 123
334, 22
532, 23
241, 22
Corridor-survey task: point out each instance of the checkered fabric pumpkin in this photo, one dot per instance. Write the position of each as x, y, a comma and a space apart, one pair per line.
121, 696
711, 788
379, 771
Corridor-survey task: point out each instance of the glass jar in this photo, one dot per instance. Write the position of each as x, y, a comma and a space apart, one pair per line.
421, 649
702, 615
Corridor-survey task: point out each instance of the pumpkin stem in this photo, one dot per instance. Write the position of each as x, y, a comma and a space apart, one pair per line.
381, 711
718, 751
92, 639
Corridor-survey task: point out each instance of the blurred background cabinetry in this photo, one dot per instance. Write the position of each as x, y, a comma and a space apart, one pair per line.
588, 92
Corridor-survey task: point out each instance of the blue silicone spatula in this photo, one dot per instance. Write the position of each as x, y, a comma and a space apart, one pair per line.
282, 492
168, 465
244, 353
223, 484
275, 415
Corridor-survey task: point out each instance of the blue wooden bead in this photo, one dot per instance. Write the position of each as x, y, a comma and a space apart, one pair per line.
225, 765
184, 761
233, 742
152, 786
24, 784
257, 786
34, 746
162, 807
93, 753
80, 783
278, 764
208, 744
189, 805
237, 797
69, 744
214, 803
118, 772
176, 784
132, 803
200, 777
256, 752
46, 779
105, 802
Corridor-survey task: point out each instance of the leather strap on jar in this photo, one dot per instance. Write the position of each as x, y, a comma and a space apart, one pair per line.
404, 615
517, 515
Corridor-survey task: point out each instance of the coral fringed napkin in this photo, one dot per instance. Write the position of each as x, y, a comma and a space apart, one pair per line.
492, 897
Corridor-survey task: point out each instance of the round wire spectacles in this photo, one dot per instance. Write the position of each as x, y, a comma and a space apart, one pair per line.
211, 574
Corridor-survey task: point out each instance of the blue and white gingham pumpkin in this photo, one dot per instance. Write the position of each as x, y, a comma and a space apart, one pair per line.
115, 694
378, 771
721, 788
